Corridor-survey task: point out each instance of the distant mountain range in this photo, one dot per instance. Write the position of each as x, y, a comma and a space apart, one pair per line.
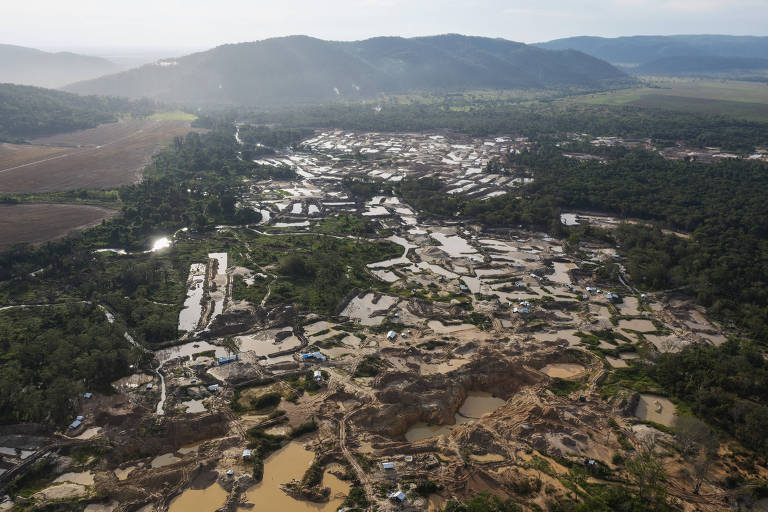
305, 69
28, 66
673, 55
705, 64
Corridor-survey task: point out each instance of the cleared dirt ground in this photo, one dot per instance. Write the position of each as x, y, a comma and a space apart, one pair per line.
106, 156
36, 223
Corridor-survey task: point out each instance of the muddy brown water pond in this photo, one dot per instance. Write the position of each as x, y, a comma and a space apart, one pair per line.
281, 467
200, 500
477, 404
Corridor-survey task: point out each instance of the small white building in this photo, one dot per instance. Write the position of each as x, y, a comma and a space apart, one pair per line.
247, 454
391, 335
397, 496
387, 465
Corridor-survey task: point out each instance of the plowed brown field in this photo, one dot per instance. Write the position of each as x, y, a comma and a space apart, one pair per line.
35, 223
106, 156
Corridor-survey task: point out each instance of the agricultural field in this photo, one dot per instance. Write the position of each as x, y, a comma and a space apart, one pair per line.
36, 223
743, 100
106, 156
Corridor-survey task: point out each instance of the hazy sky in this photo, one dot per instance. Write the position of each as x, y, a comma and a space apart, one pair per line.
79, 24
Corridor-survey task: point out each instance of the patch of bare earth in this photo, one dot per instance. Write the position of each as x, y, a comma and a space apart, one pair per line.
37, 223
106, 156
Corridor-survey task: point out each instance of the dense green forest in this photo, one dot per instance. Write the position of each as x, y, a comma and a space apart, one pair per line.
27, 112
39, 374
538, 121
313, 272
727, 386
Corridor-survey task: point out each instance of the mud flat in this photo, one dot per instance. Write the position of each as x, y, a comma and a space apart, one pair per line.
281, 467
385, 275
262, 343
362, 308
616, 362
194, 406
488, 457
561, 275
637, 325
563, 370
122, 474
438, 327
657, 409
85, 478
436, 269
567, 335
164, 460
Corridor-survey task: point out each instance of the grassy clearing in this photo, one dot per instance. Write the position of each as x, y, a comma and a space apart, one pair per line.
744, 100
175, 115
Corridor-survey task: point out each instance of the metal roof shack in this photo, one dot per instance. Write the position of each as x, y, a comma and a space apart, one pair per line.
228, 359
313, 355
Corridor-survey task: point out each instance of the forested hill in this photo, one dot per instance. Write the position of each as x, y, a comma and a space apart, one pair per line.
702, 65
635, 50
304, 69
28, 66
27, 112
